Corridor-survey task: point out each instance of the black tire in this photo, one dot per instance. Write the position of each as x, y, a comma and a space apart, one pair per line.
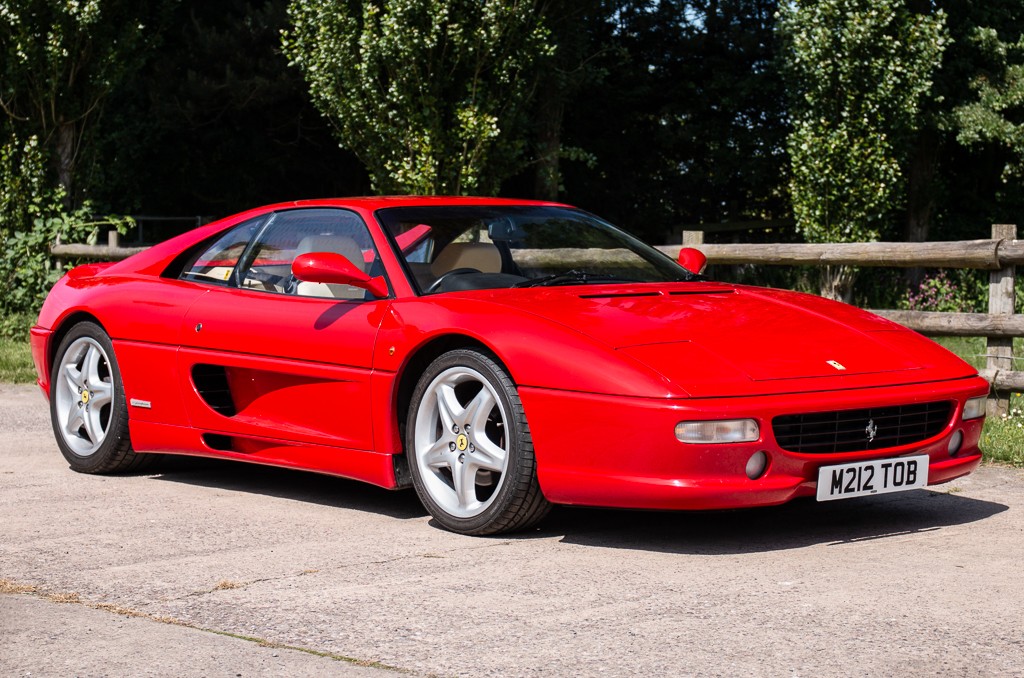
483, 499
96, 439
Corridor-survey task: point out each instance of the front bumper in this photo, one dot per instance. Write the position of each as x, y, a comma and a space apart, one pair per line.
598, 450
39, 340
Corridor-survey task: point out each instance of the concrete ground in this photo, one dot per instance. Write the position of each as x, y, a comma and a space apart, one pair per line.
207, 568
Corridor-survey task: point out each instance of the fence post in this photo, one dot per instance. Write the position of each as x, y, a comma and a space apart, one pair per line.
999, 352
693, 238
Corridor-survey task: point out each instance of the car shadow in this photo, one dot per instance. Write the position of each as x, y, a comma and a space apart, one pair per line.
798, 524
315, 488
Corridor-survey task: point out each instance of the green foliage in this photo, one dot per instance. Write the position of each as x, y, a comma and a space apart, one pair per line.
429, 94
22, 181
956, 291
857, 71
58, 61
27, 271
996, 115
1003, 438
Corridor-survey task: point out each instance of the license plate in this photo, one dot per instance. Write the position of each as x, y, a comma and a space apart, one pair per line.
863, 478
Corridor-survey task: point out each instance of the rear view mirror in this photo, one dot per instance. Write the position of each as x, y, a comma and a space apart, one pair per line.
505, 230
693, 260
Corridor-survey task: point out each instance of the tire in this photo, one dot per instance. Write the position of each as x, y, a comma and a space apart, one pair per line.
88, 410
469, 446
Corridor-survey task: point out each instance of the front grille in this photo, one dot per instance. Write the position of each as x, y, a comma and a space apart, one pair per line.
851, 430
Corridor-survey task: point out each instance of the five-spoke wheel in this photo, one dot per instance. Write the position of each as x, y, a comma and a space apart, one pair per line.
471, 454
87, 404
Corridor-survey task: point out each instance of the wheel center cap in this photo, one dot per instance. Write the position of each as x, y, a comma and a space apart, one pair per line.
85, 397
462, 442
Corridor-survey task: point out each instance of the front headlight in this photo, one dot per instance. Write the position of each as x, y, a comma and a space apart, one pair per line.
725, 431
975, 407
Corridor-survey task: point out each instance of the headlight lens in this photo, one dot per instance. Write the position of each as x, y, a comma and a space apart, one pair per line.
975, 407
725, 431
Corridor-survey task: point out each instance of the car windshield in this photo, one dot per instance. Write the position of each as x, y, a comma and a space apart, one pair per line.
451, 248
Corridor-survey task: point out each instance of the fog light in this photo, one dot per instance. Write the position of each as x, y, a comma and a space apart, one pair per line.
725, 431
955, 441
974, 408
756, 465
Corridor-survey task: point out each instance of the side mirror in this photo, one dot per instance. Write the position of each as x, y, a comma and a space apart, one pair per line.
693, 260
334, 269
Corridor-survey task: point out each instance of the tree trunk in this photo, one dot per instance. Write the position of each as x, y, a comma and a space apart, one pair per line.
66, 152
550, 110
921, 195
836, 282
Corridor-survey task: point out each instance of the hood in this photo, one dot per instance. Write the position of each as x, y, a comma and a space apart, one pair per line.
711, 339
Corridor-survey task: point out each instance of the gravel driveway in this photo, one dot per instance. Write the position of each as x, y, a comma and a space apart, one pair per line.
142, 575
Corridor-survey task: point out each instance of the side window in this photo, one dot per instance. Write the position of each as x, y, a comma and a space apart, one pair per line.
267, 264
215, 263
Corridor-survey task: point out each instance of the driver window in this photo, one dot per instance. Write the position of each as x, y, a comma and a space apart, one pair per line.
267, 264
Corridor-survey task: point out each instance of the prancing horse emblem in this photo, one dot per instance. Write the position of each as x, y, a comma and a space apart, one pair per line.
871, 430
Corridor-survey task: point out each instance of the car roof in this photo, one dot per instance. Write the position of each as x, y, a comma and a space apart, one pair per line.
380, 202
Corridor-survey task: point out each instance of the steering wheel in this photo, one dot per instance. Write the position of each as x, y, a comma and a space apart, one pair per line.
450, 274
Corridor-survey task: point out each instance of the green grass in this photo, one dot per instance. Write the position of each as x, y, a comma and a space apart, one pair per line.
16, 361
1003, 438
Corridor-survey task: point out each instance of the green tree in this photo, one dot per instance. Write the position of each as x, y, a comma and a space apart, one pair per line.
857, 71
429, 94
58, 62
997, 113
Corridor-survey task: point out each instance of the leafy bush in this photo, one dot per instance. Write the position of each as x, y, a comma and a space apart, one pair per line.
32, 218
27, 269
960, 291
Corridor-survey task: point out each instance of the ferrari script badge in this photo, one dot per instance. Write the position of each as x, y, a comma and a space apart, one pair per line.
836, 364
871, 430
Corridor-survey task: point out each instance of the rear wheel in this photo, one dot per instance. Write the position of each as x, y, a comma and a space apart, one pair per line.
471, 454
87, 404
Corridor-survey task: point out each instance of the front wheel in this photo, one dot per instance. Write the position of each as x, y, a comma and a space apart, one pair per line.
471, 454
87, 404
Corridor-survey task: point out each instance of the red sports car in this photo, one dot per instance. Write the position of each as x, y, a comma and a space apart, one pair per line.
499, 356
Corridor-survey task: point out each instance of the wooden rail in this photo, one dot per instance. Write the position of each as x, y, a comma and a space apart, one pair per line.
980, 254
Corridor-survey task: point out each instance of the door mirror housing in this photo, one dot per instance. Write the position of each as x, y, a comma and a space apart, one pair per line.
334, 269
693, 260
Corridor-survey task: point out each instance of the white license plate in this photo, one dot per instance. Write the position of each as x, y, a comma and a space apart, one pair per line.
863, 478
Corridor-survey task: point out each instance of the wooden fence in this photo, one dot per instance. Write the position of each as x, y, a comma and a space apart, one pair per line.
1000, 256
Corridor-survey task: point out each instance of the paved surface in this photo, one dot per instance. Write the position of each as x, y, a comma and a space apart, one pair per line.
923, 583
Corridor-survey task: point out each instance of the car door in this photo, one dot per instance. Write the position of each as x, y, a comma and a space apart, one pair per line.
265, 356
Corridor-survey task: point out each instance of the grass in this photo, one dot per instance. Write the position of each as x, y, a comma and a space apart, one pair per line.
16, 361
1003, 438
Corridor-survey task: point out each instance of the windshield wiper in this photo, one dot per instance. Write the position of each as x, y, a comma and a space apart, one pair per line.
572, 277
